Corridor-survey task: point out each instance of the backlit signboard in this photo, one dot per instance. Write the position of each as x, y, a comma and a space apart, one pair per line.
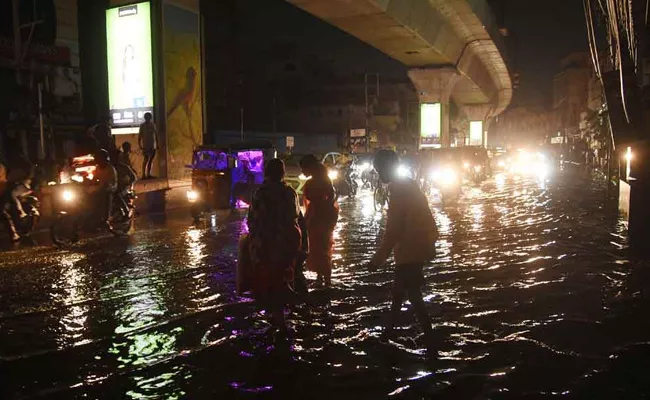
430, 124
130, 66
476, 133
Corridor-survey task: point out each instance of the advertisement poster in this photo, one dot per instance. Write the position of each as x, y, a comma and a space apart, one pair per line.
430, 124
476, 133
130, 72
183, 97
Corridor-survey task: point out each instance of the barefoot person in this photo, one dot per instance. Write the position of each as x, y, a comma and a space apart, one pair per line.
322, 213
274, 238
410, 234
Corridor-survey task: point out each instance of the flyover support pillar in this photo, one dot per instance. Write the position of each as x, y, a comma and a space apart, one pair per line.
434, 87
478, 115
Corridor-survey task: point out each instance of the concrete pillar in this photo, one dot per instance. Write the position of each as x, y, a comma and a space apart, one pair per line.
434, 86
478, 114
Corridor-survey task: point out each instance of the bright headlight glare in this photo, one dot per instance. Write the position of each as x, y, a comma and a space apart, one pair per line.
445, 176
67, 195
466, 165
502, 164
333, 174
448, 176
303, 177
364, 167
402, 171
477, 168
192, 196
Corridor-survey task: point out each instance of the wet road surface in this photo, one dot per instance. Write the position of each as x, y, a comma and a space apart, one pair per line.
533, 295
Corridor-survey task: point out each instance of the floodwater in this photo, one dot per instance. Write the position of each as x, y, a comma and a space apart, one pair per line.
533, 295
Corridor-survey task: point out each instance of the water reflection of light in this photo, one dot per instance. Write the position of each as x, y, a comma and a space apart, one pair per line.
500, 180
367, 206
195, 247
143, 336
70, 284
477, 214
444, 223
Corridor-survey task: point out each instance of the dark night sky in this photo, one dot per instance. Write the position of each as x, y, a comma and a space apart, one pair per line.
543, 32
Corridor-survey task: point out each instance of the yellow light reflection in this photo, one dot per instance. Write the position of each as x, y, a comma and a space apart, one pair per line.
477, 215
195, 247
69, 292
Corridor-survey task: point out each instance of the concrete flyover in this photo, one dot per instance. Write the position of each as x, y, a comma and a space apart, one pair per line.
453, 48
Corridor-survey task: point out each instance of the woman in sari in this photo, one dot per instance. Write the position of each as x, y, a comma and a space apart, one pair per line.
274, 238
322, 212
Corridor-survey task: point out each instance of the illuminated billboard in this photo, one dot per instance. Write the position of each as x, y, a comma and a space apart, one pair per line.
130, 67
476, 133
430, 124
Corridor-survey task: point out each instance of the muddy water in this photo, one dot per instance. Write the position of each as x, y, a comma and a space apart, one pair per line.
533, 295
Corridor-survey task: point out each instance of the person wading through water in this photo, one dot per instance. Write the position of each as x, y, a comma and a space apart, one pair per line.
411, 234
321, 215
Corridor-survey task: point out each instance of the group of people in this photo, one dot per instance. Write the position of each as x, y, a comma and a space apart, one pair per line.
100, 137
114, 173
280, 238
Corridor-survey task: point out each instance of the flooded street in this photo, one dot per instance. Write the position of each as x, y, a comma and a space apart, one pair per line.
533, 295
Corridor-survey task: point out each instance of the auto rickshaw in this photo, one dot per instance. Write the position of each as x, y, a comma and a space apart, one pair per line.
226, 176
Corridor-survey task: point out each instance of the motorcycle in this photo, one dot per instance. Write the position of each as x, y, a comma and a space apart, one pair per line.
73, 213
348, 185
369, 177
448, 183
476, 174
343, 180
351, 177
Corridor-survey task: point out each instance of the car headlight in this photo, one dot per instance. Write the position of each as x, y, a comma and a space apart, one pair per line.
402, 171
68, 195
333, 174
192, 196
444, 176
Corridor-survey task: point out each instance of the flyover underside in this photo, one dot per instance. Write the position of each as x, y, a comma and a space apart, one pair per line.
426, 34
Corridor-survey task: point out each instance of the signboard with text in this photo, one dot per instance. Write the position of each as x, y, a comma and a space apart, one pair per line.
129, 60
290, 142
